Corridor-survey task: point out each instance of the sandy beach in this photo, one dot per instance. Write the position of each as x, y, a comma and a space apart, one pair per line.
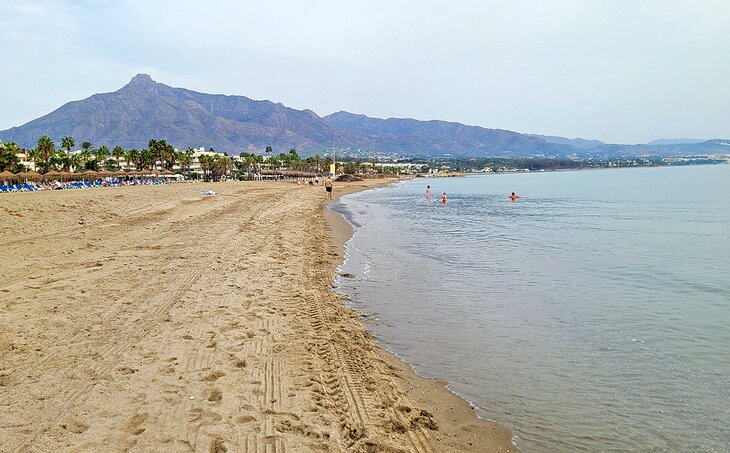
157, 319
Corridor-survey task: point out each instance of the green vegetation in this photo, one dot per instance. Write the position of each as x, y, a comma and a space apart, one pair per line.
9, 157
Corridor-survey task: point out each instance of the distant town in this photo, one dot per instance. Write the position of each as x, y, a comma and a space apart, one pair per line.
208, 164
527, 164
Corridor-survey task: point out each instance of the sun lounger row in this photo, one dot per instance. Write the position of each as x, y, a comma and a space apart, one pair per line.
27, 187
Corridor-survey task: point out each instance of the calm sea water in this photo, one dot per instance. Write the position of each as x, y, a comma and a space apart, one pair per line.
593, 315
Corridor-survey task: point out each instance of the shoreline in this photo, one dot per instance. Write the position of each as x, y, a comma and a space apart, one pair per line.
161, 319
462, 430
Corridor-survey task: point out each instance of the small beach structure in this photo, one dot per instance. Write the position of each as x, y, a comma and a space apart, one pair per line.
32, 175
8, 176
52, 174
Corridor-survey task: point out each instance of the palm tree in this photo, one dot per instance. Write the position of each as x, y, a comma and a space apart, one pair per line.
189, 155
101, 153
67, 143
205, 164
132, 157
45, 148
249, 161
185, 158
146, 159
221, 165
154, 150
60, 159
75, 162
84, 155
163, 152
169, 156
118, 153
32, 155
9, 156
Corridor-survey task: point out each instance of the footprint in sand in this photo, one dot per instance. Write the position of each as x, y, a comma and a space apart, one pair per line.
213, 376
217, 446
215, 396
75, 426
133, 424
245, 419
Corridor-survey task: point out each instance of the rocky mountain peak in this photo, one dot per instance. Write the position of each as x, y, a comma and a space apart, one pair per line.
141, 79
140, 82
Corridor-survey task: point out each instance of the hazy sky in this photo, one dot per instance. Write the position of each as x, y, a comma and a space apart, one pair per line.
620, 71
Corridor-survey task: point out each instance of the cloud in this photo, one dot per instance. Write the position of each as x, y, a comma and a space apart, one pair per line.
615, 70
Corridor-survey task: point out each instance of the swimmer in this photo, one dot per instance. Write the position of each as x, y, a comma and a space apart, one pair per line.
443, 198
428, 193
514, 196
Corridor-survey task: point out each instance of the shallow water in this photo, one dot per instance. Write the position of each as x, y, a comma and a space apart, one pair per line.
591, 315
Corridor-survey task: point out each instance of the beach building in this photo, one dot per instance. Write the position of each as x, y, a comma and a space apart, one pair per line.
402, 167
25, 160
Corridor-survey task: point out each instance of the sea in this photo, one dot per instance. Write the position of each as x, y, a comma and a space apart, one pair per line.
591, 315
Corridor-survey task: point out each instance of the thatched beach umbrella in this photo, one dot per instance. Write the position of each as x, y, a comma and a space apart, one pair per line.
8, 176
66, 174
90, 174
52, 174
167, 172
29, 175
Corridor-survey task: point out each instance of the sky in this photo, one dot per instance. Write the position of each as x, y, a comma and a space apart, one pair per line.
621, 71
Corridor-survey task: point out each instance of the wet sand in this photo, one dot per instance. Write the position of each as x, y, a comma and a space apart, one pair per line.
158, 319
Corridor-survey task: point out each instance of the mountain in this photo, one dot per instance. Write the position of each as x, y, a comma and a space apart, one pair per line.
661, 147
436, 138
144, 109
709, 147
676, 141
580, 143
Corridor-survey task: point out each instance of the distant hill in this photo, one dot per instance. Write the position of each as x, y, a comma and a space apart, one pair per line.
676, 141
436, 138
144, 109
576, 142
716, 146
661, 147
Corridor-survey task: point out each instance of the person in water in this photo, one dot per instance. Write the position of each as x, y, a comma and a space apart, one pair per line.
443, 198
514, 196
428, 193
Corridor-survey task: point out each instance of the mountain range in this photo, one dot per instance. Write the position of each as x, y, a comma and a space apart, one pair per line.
145, 109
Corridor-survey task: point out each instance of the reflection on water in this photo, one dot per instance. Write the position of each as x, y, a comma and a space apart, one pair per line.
591, 315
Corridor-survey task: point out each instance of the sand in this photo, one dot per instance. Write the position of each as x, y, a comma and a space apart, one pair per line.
158, 319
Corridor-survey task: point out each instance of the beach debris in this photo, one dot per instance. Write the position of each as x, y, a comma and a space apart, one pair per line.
348, 178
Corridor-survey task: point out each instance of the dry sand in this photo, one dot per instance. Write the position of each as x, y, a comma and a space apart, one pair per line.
156, 319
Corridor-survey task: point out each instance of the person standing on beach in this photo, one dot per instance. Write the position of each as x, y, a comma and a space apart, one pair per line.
328, 188
428, 193
443, 198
